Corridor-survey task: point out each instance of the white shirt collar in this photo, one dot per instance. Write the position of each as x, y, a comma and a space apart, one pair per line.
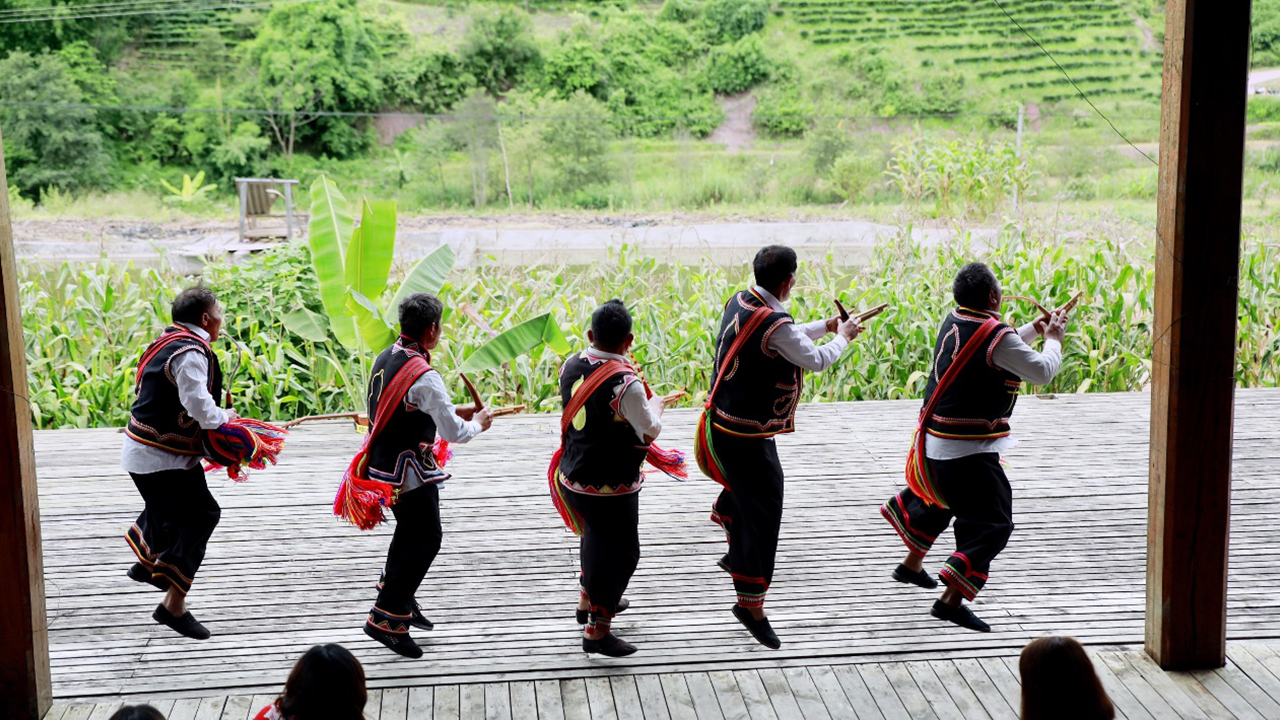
772, 301
195, 329
606, 355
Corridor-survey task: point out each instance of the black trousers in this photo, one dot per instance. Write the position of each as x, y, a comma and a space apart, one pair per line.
608, 551
414, 546
750, 511
980, 500
173, 531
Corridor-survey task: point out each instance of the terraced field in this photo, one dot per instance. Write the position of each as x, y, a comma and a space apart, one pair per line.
1099, 42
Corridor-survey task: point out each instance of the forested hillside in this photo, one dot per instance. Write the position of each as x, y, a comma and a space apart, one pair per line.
546, 104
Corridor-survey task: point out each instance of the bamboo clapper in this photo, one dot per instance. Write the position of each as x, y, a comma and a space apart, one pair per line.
479, 404
1075, 299
864, 315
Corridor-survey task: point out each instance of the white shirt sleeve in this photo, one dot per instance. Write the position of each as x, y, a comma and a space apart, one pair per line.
191, 374
1012, 353
640, 412
431, 397
795, 343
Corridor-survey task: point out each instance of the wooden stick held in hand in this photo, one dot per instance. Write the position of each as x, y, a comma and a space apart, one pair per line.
1045, 312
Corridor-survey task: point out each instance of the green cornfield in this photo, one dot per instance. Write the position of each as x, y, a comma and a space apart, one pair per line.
86, 326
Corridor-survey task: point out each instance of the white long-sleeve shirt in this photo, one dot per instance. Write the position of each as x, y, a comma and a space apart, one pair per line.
1012, 353
795, 342
428, 393
191, 374
644, 415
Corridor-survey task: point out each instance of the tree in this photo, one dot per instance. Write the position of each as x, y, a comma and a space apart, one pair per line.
315, 58
577, 139
499, 48
48, 147
428, 79
475, 129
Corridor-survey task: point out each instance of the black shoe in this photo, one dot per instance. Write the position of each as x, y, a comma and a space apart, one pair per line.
186, 625
400, 643
723, 563
761, 630
960, 615
418, 620
904, 574
584, 615
143, 575
610, 645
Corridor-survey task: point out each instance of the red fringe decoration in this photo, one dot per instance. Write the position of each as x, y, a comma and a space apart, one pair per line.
571, 519
441, 451
241, 445
361, 501
670, 462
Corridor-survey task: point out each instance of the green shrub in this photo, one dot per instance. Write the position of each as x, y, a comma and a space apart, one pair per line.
574, 66
577, 140
499, 48
827, 141
681, 11
1263, 108
428, 79
854, 172
732, 69
781, 112
729, 20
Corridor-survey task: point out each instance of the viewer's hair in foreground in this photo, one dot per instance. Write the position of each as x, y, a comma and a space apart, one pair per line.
137, 712
192, 303
327, 683
1059, 682
418, 312
973, 286
773, 265
611, 324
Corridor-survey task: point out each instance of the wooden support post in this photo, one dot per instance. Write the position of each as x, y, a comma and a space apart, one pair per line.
25, 689
1206, 63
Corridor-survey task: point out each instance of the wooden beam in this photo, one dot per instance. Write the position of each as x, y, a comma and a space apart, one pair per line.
25, 689
1206, 63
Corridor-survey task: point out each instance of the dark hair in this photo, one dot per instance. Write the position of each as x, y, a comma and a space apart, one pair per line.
193, 303
973, 286
418, 312
773, 265
327, 683
137, 712
1059, 682
611, 324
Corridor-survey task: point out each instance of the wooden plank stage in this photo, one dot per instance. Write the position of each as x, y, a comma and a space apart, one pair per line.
282, 574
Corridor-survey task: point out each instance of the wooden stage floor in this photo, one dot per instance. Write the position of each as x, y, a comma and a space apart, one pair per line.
282, 574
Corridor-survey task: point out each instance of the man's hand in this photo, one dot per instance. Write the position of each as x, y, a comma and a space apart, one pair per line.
849, 329
231, 415
833, 324
1056, 328
485, 418
1040, 324
466, 413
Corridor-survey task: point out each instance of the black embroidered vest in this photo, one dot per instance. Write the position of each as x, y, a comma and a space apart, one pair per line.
980, 400
403, 448
157, 417
757, 396
602, 453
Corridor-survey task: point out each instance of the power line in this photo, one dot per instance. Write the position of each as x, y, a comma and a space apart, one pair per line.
1073, 83
506, 118
156, 11
81, 8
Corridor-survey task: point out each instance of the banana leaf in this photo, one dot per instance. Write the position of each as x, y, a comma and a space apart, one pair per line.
328, 233
307, 324
368, 256
428, 276
375, 333
526, 337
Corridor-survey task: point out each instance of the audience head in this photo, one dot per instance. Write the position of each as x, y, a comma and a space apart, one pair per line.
775, 268
198, 306
420, 315
977, 288
1059, 682
137, 712
611, 327
327, 683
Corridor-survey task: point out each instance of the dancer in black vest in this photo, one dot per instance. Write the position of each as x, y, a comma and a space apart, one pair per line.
178, 384
966, 431
401, 457
759, 362
599, 475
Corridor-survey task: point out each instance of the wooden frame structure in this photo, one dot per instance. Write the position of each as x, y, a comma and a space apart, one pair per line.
257, 195
1202, 152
